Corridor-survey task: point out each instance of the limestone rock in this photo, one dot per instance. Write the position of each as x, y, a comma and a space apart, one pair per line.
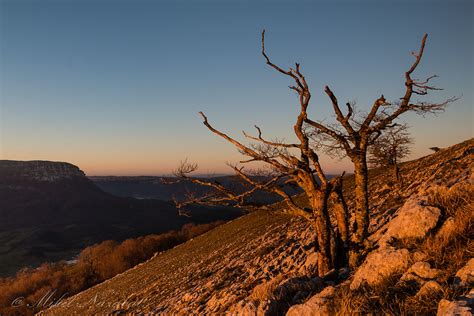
423, 270
379, 265
464, 306
244, 308
317, 305
265, 307
310, 265
291, 287
431, 289
447, 229
465, 276
414, 220
420, 272
419, 256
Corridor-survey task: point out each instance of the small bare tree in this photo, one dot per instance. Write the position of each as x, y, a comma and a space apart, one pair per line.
390, 148
353, 132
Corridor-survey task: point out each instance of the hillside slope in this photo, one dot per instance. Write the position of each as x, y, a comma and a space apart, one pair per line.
233, 267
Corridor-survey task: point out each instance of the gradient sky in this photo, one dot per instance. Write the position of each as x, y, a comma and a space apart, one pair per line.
115, 86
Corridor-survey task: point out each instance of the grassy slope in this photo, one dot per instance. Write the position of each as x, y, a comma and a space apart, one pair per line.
160, 277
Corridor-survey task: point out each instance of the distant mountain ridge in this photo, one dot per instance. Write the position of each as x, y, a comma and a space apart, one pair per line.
38, 170
49, 211
155, 187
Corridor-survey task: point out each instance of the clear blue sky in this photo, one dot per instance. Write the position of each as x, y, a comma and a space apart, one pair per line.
115, 86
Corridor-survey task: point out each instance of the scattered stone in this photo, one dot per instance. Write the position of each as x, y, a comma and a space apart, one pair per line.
380, 265
419, 272
310, 266
187, 297
423, 270
430, 289
414, 220
267, 307
317, 305
242, 308
465, 276
447, 229
464, 306
288, 288
419, 256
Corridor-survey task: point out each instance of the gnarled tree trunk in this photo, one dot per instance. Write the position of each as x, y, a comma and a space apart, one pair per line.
396, 172
322, 224
341, 213
361, 199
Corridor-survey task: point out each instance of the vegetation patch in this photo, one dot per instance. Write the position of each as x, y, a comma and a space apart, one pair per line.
32, 290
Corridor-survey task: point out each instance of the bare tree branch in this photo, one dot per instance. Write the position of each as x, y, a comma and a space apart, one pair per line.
244, 149
344, 120
276, 144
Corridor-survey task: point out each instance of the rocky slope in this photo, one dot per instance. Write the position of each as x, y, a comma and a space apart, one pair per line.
263, 263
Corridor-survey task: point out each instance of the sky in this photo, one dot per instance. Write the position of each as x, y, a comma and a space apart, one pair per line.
115, 87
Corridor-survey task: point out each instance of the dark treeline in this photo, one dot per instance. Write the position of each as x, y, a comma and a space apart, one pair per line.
32, 290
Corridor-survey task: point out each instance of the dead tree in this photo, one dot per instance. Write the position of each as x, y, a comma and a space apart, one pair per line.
390, 148
292, 162
352, 133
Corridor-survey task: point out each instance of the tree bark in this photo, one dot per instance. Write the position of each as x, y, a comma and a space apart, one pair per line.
341, 213
396, 172
322, 224
341, 253
361, 199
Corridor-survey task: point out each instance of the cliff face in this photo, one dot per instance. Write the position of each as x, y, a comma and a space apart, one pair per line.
38, 170
263, 263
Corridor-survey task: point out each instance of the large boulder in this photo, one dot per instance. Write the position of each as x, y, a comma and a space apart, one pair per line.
414, 220
380, 265
317, 305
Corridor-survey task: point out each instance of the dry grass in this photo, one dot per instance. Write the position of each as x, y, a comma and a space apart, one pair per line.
266, 291
388, 298
452, 200
448, 249
453, 244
